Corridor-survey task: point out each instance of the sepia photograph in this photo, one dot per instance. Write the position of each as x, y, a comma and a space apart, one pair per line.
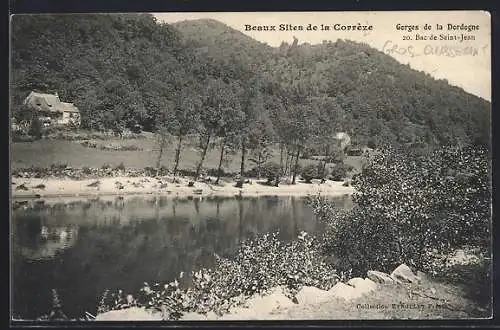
216, 166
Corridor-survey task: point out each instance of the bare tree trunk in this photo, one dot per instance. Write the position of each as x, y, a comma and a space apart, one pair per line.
259, 166
220, 160
203, 155
323, 168
242, 167
287, 162
280, 174
160, 154
296, 165
285, 171
177, 154
281, 156
290, 154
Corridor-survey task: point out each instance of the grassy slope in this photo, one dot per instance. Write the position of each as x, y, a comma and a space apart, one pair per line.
44, 153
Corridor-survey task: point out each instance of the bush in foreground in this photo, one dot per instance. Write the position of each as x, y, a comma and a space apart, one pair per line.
410, 207
259, 265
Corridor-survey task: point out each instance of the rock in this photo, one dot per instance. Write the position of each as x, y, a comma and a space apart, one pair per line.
312, 295
128, 314
259, 307
362, 285
265, 304
344, 291
404, 274
421, 276
379, 277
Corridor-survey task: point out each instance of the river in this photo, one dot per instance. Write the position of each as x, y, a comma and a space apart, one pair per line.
80, 248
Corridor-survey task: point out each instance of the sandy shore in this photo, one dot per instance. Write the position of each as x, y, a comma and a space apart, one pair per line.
51, 187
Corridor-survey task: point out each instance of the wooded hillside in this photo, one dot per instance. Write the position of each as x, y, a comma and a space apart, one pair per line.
204, 77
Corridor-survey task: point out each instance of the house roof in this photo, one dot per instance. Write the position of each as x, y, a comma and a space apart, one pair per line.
69, 107
48, 103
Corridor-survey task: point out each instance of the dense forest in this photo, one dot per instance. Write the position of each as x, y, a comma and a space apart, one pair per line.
202, 77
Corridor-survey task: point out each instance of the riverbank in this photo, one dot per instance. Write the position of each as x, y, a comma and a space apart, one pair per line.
399, 295
123, 185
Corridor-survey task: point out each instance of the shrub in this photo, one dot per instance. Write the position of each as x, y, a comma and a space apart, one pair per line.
58, 166
150, 171
310, 172
271, 171
163, 170
409, 205
36, 128
339, 171
120, 167
252, 173
215, 172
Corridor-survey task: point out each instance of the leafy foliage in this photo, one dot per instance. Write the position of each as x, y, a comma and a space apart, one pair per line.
260, 265
128, 71
310, 172
410, 207
35, 128
339, 171
271, 171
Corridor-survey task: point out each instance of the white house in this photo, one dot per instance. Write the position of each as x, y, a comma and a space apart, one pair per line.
52, 110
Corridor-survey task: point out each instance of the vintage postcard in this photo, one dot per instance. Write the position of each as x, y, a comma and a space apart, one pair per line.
251, 166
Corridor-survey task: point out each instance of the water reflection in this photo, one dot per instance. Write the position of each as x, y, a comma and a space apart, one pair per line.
51, 241
82, 248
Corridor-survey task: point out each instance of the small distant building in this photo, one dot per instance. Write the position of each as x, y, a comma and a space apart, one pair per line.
342, 141
51, 110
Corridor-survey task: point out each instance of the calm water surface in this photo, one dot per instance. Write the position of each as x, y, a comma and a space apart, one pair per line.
81, 248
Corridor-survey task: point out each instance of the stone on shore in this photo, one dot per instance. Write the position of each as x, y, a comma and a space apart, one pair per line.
260, 307
344, 291
403, 274
264, 304
312, 295
379, 277
364, 286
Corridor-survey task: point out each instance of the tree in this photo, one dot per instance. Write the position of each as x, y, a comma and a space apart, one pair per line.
410, 206
163, 139
185, 119
232, 126
220, 115
260, 156
299, 130
163, 134
35, 127
253, 131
